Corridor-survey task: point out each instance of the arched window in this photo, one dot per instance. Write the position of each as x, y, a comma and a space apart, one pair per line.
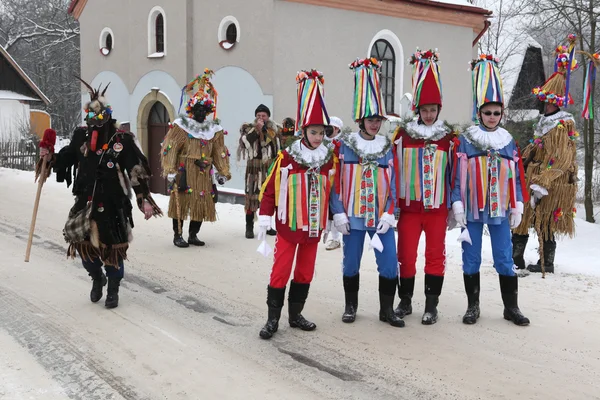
157, 33
109, 42
231, 34
160, 33
383, 51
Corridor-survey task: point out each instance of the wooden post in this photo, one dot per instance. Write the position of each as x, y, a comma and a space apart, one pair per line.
41, 181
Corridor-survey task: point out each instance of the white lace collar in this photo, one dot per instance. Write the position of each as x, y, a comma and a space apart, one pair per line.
307, 157
198, 130
369, 150
546, 124
485, 140
438, 130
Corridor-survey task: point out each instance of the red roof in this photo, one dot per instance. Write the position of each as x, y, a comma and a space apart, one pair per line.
450, 6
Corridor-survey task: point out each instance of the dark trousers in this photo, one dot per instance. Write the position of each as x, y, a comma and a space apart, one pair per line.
95, 265
193, 229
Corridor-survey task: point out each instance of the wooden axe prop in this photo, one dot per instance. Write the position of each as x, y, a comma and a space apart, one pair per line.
41, 173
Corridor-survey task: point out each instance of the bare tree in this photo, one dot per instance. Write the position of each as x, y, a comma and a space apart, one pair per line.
44, 40
579, 17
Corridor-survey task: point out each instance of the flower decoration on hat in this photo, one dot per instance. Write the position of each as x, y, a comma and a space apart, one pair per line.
368, 98
556, 88
426, 80
311, 99
486, 82
97, 110
205, 94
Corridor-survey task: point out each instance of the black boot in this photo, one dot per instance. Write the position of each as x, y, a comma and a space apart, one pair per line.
194, 229
250, 226
351, 285
509, 287
387, 292
472, 290
519, 243
433, 289
98, 281
275, 303
112, 293
296, 299
272, 232
177, 239
406, 288
549, 253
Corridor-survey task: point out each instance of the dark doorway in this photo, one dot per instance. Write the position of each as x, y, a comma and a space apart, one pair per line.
158, 126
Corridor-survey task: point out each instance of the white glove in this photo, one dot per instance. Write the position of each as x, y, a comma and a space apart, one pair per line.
342, 223
326, 231
171, 178
516, 215
459, 214
386, 221
538, 193
264, 224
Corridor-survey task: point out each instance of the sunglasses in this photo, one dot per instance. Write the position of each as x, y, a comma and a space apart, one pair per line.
489, 113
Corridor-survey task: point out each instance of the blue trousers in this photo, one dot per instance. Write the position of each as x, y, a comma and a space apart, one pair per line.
501, 248
387, 261
96, 264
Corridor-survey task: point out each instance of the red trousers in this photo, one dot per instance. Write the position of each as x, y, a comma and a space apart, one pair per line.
410, 226
306, 254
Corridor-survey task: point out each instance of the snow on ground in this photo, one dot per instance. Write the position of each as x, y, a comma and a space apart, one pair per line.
188, 321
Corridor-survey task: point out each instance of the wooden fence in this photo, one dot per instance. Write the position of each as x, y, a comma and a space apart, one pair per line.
19, 155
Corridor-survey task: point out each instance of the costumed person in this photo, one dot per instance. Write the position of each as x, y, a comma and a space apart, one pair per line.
189, 151
551, 167
259, 145
288, 132
487, 190
365, 194
107, 165
333, 136
423, 150
297, 191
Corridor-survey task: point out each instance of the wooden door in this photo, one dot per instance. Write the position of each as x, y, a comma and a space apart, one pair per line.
158, 126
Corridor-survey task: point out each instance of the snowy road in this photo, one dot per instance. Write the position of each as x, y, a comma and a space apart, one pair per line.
188, 321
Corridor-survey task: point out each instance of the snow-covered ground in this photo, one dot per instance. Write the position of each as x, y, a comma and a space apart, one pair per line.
187, 326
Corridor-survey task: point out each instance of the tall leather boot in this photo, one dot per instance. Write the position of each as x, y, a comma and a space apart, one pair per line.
112, 293
387, 292
351, 285
406, 288
177, 238
519, 243
472, 290
98, 282
250, 226
509, 287
433, 290
275, 298
296, 299
549, 253
194, 229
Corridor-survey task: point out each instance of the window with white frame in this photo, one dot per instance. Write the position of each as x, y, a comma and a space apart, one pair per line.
157, 33
229, 32
106, 41
383, 51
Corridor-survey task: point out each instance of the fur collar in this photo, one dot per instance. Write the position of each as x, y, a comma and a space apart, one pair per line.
546, 124
485, 140
198, 130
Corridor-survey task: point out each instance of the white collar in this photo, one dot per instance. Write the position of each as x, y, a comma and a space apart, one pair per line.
198, 130
485, 140
546, 124
308, 157
367, 147
438, 130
